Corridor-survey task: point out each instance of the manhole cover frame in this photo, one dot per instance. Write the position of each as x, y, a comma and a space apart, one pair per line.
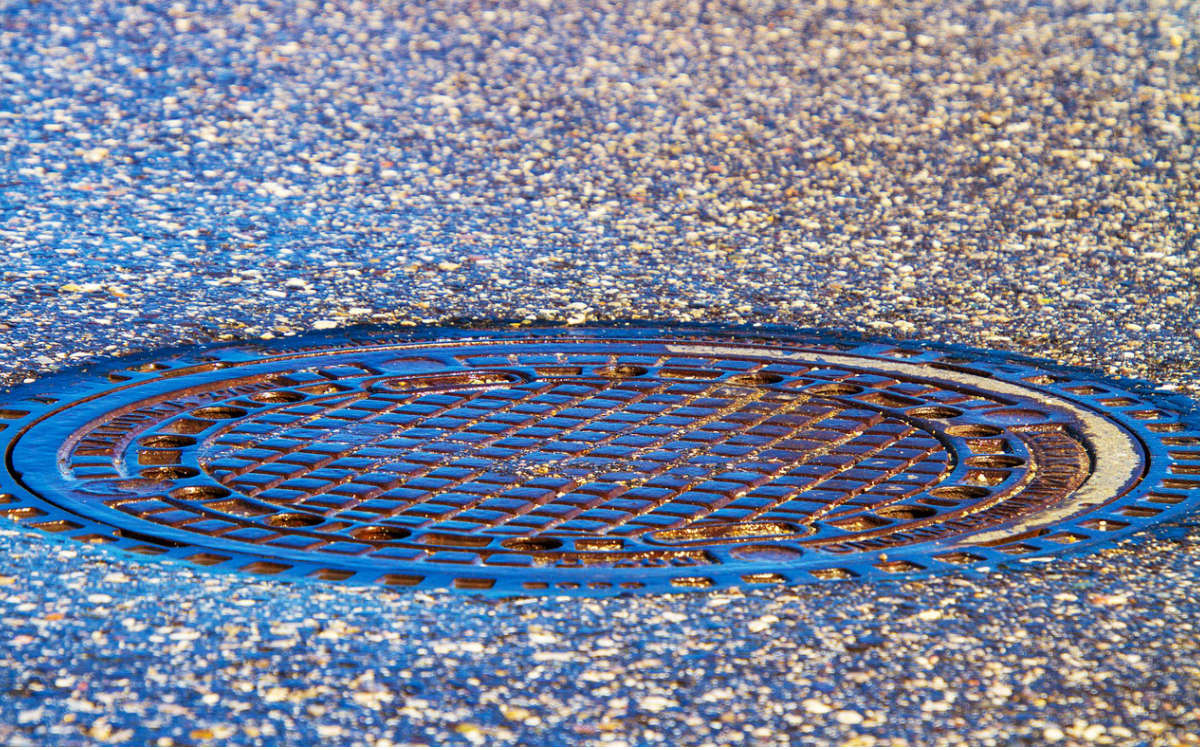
1164, 426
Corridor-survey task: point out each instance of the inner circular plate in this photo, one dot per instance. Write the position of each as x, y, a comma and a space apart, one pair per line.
592, 460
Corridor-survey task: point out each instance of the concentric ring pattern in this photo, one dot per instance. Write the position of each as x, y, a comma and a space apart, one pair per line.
592, 460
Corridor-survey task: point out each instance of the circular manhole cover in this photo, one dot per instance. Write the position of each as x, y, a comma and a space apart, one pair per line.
592, 460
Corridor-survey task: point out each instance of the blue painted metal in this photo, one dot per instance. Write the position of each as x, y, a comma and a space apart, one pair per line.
628, 457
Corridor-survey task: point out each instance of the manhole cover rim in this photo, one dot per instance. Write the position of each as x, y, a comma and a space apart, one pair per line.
132, 371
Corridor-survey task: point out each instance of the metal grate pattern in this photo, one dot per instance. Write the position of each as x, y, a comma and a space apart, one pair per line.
592, 460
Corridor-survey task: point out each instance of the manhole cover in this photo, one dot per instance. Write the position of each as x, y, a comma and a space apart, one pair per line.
592, 460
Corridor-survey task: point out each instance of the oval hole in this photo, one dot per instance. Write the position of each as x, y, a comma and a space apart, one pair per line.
323, 389
293, 520
707, 532
960, 492
190, 426
278, 397
766, 553
160, 473
455, 540
380, 533
617, 372
1044, 380
157, 457
451, 381
532, 544
933, 412
835, 389
974, 430
940, 503
199, 492
906, 512
994, 462
219, 412
564, 371
167, 441
756, 378
863, 522
687, 373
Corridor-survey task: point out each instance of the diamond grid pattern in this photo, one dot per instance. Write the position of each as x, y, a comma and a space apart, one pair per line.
575, 457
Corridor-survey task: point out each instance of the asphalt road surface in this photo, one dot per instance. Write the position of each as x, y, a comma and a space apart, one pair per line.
1011, 175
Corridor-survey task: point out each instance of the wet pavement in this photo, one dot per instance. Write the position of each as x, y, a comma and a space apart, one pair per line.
1016, 176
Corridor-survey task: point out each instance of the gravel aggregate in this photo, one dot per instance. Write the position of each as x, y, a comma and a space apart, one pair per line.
1018, 175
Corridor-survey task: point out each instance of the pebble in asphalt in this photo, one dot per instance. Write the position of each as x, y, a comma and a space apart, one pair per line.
1016, 175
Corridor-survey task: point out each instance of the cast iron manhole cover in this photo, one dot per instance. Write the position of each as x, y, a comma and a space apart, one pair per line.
592, 460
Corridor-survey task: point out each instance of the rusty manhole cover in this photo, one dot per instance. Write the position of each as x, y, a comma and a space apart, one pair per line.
592, 460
